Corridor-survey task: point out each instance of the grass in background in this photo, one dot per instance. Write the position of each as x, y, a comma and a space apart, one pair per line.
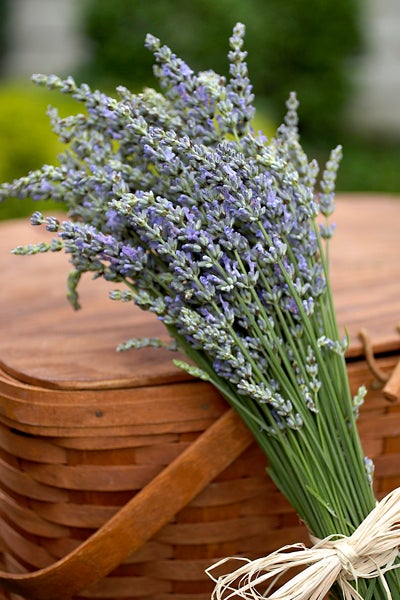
369, 166
26, 139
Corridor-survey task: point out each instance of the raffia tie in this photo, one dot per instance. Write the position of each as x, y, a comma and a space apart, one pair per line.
368, 553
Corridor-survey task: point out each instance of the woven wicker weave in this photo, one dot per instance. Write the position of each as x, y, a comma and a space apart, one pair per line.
83, 429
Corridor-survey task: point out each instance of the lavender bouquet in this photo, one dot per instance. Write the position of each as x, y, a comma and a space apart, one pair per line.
213, 228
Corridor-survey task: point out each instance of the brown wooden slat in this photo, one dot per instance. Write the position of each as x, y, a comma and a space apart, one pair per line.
24, 549
87, 477
23, 484
177, 570
29, 520
251, 463
261, 545
58, 548
30, 448
176, 427
373, 448
150, 551
127, 587
197, 400
387, 465
113, 442
226, 492
213, 532
13, 565
75, 515
159, 454
376, 425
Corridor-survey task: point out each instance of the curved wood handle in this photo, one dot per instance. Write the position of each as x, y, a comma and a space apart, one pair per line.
141, 518
391, 391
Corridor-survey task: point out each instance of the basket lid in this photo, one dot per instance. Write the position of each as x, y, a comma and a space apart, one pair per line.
365, 269
44, 342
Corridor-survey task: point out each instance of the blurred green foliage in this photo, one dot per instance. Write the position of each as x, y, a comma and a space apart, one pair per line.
301, 45
369, 165
26, 138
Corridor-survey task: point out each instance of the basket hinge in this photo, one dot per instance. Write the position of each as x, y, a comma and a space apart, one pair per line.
391, 390
389, 381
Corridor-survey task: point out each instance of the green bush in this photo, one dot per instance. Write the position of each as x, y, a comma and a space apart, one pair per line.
369, 165
301, 45
26, 139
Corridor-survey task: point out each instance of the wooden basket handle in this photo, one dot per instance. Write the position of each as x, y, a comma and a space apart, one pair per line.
136, 522
391, 391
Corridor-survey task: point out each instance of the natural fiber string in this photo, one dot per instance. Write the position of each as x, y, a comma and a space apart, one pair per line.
368, 553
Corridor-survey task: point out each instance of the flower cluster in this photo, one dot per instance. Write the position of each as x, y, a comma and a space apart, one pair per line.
214, 228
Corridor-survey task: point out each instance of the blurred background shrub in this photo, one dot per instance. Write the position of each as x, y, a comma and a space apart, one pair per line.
26, 139
310, 46
292, 45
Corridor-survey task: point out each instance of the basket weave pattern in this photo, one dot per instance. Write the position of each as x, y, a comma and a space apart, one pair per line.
64, 478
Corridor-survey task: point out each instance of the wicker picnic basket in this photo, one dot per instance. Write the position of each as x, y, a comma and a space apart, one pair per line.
121, 477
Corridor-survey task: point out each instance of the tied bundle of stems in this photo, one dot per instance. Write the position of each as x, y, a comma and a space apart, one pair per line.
215, 229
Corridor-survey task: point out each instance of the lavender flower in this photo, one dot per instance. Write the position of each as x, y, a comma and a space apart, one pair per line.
194, 223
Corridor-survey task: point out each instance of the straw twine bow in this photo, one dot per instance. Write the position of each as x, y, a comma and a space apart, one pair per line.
368, 553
